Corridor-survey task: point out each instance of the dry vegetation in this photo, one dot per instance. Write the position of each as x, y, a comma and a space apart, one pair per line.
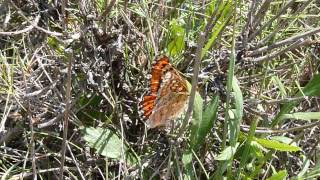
72, 74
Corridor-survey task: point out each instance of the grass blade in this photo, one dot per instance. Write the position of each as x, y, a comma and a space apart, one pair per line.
311, 89
202, 128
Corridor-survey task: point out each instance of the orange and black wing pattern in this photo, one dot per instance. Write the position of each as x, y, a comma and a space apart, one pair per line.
148, 101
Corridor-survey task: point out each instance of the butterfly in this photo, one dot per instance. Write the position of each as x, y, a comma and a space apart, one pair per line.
168, 94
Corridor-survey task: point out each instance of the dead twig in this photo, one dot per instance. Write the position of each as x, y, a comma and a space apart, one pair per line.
66, 114
297, 44
287, 41
27, 29
282, 11
107, 10
34, 24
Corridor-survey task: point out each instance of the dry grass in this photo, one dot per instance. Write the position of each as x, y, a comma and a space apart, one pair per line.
69, 65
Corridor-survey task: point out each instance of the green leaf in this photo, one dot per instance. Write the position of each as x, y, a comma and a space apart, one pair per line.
104, 141
187, 163
227, 153
196, 116
56, 45
100, 4
276, 145
256, 149
197, 109
224, 14
238, 112
210, 8
302, 116
284, 140
238, 98
279, 175
176, 43
202, 127
311, 89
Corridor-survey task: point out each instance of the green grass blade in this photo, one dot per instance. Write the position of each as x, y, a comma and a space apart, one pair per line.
305, 167
219, 26
280, 85
187, 163
238, 112
247, 147
311, 174
197, 120
307, 116
311, 89
202, 128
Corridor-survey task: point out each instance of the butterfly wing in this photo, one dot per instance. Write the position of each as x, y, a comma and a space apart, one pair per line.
168, 94
148, 101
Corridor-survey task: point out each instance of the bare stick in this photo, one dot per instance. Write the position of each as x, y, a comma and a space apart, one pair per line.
261, 13
282, 11
107, 10
27, 29
283, 23
34, 24
66, 116
290, 40
270, 56
247, 27
32, 138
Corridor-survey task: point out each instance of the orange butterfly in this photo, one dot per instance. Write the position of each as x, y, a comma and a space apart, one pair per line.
168, 94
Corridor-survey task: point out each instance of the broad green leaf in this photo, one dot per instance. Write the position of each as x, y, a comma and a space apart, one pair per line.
196, 116
197, 109
86, 115
104, 141
302, 116
187, 157
256, 149
202, 128
176, 42
311, 89
284, 140
187, 163
238, 99
249, 145
279, 175
276, 145
238, 112
227, 153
